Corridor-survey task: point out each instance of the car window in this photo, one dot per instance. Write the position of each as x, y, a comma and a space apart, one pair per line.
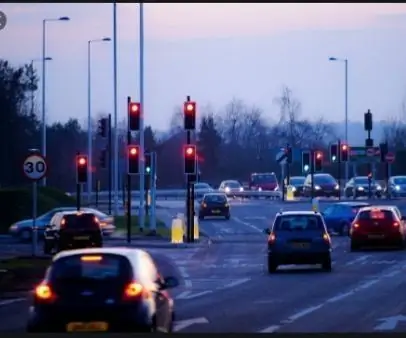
399, 180
363, 181
342, 209
80, 221
297, 180
233, 184
298, 222
324, 179
263, 178
96, 212
215, 198
376, 214
330, 210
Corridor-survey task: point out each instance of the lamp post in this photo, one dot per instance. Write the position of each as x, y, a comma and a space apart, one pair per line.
32, 80
89, 116
345, 61
116, 171
43, 59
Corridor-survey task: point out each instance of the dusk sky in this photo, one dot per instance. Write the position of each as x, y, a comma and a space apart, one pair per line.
215, 52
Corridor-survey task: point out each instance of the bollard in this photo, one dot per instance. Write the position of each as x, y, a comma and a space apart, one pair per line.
149, 198
196, 228
315, 205
289, 193
177, 231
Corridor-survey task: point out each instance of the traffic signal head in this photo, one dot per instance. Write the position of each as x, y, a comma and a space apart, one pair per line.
147, 157
190, 159
81, 168
134, 116
333, 153
133, 152
305, 162
189, 112
318, 161
344, 152
383, 147
102, 127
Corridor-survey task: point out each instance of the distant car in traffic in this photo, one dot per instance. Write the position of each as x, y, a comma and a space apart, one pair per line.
202, 188
72, 230
103, 290
359, 187
297, 183
231, 187
339, 216
378, 225
298, 237
214, 205
396, 186
23, 229
263, 182
324, 185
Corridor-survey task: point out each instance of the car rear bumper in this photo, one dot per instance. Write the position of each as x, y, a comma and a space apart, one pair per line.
67, 245
212, 213
376, 239
316, 257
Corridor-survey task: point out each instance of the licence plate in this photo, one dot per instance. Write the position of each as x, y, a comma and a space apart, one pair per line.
215, 211
81, 238
300, 245
87, 327
376, 236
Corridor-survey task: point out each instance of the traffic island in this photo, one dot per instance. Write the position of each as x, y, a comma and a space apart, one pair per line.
162, 232
21, 274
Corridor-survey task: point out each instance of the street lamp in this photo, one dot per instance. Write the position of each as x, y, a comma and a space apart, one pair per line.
32, 80
43, 59
89, 117
346, 102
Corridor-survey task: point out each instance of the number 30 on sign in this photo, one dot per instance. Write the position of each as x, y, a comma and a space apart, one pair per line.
35, 167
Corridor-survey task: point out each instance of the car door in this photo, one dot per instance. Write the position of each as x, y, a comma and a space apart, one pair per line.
330, 216
348, 190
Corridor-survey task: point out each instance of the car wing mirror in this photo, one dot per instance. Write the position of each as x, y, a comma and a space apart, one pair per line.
48, 226
267, 231
169, 283
403, 218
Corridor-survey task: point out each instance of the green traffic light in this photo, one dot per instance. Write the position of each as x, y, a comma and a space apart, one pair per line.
148, 169
306, 167
333, 158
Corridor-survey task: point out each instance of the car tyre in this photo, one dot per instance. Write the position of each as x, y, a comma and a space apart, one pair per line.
228, 217
272, 266
327, 265
354, 247
344, 229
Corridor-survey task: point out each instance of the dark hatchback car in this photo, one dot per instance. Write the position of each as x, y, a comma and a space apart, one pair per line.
360, 186
297, 182
102, 290
324, 185
339, 216
214, 205
298, 237
72, 230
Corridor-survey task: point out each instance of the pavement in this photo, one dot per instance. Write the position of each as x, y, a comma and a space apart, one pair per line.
225, 287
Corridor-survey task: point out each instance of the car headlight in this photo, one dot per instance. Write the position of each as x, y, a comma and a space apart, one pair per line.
293, 189
13, 227
378, 187
360, 188
397, 187
241, 189
317, 187
227, 189
337, 187
259, 189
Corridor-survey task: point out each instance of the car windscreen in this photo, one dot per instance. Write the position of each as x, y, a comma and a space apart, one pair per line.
215, 199
363, 181
201, 186
324, 179
298, 222
297, 180
399, 180
233, 184
263, 178
93, 268
80, 221
375, 214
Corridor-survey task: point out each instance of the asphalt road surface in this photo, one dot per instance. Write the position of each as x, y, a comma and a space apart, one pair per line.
225, 287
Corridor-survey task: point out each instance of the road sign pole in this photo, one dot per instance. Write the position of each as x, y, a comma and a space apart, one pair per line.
339, 167
34, 218
153, 191
312, 173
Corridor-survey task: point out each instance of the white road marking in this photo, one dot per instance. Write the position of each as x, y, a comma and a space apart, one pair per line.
339, 297
236, 283
183, 272
190, 295
188, 283
304, 312
236, 219
358, 260
183, 324
255, 218
11, 301
270, 329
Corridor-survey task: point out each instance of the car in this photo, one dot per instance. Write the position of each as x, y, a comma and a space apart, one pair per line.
378, 225
102, 289
263, 182
297, 182
202, 188
230, 187
339, 216
324, 185
396, 186
298, 237
359, 186
71, 230
23, 229
214, 204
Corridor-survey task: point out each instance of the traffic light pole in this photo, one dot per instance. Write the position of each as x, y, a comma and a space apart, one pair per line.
110, 172
339, 167
312, 164
152, 184
189, 196
129, 184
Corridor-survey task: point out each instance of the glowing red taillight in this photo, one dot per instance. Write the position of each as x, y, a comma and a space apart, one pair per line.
135, 290
271, 238
43, 292
327, 238
396, 224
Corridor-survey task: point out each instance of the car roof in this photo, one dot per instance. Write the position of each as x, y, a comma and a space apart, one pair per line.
231, 181
255, 174
382, 207
75, 212
353, 204
292, 177
125, 252
297, 213
215, 194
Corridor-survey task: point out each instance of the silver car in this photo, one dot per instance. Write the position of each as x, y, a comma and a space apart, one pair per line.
231, 187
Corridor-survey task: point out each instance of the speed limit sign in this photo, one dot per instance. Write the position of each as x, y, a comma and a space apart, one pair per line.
35, 167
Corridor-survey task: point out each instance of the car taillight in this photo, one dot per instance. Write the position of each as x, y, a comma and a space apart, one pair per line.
355, 225
135, 290
204, 205
327, 238
271, 238
395, 224
43, 292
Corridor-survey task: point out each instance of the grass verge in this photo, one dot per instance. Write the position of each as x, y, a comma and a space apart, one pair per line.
161, 230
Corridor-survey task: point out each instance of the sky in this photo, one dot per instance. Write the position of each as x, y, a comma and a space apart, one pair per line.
214, 53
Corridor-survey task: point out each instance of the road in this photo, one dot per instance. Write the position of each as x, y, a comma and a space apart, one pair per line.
225, 288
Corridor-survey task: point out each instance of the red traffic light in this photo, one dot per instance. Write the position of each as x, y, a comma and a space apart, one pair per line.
189, 151
82, 160
344, 147
133, 150
319, 155
189, 107
134, 108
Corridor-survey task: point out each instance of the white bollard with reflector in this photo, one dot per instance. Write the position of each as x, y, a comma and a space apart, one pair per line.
196, 228
177, 231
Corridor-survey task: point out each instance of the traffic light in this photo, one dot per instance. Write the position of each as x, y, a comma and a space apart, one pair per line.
133, 152
103, 159
318, 161
305, 161
334, 153
384, 151
344, 153
147, 157
190, 159
81, 168
102, 127
189, 111
288, 153
134, 116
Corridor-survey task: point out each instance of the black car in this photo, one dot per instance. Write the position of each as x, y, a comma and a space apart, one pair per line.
360, 186
324, 185
214, 205
298, 237
72, 230
297, 182
102, 289
396, 186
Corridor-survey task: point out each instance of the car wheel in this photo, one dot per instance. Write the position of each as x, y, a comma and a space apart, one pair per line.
47, 249
326, 265
344, 229
354, 247
272, 266
228, 217
25, 235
